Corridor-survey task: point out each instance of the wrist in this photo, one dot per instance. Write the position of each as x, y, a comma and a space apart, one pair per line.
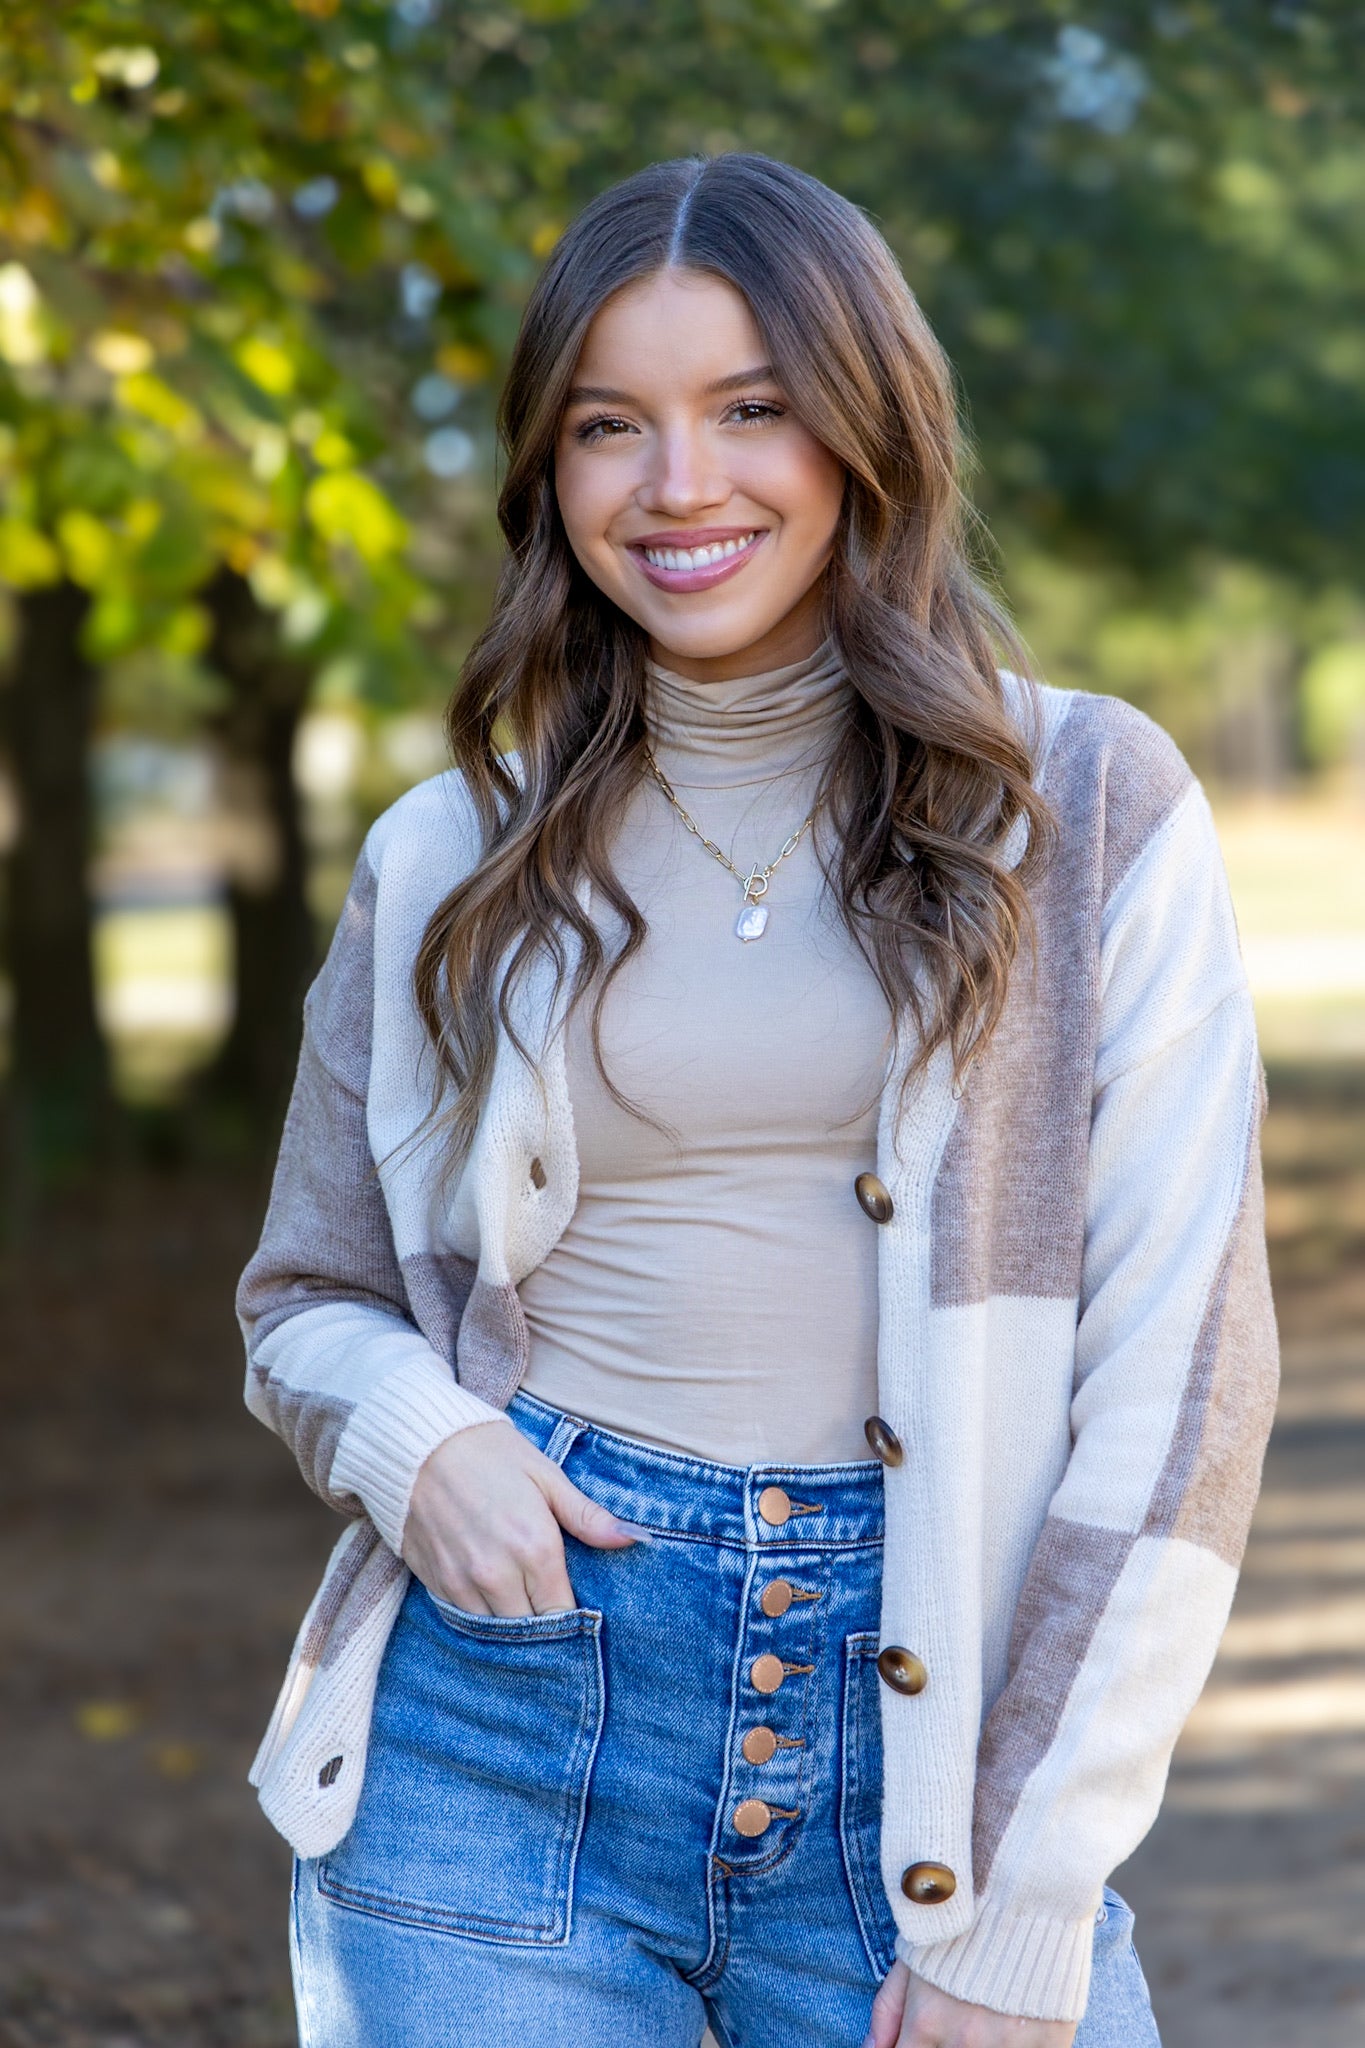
390, 1435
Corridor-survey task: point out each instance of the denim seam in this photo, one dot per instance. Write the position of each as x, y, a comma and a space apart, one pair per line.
600, 1722
435, 1919
713, 1962
858, 1650
858, 1469
719, 2028
556, 1625
303, 2000
808, 1546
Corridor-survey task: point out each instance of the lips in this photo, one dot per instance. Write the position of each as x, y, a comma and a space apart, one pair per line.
701, 562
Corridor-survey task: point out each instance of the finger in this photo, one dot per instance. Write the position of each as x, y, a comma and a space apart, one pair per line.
584, 1518
505, 1590
547, 1583
544, 1567
464, 1596
888, 2008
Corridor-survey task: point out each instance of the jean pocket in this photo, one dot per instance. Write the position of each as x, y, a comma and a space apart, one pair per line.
860, 1801
483, 1738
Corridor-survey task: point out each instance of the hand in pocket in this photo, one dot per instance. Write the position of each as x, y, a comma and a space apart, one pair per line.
485, 1526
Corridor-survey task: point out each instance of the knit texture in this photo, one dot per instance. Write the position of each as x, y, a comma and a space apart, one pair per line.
1076, 1346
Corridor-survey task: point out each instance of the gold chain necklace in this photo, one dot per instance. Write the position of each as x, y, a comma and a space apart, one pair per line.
752, 921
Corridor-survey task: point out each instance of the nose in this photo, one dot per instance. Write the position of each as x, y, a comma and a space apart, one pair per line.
681, 478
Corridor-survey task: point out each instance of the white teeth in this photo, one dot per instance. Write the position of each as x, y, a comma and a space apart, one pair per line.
698, 558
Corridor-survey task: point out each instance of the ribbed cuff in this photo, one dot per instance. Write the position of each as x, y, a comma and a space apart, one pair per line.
1031, 1969
392, 1433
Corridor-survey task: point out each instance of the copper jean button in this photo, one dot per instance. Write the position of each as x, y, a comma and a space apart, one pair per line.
758, 1745
766, 1673
775, 1506
874, 1198
883, 1441
902, 1670
775, 1598
928, 1884
752, 1817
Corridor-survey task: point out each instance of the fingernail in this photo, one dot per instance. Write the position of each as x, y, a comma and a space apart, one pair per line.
870, 2042
633, 1530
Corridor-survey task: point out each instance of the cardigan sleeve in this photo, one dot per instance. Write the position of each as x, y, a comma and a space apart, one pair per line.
1129, 1586
336, 1364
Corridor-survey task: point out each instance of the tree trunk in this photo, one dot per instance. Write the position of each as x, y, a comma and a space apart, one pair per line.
61, 1102
272, 929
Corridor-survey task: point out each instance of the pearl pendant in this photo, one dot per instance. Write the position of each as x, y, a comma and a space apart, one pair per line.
752, 921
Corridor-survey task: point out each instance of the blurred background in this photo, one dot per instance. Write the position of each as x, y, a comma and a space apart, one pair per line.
260, 267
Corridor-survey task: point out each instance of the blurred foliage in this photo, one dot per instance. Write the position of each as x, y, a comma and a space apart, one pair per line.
259, 257
262, 261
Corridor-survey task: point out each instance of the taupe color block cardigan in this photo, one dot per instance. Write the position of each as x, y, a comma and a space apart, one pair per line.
1076, 1346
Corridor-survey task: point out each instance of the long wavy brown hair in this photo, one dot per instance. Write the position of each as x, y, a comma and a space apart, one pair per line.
932, 771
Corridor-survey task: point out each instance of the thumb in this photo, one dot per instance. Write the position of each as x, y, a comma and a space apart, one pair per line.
584, 1518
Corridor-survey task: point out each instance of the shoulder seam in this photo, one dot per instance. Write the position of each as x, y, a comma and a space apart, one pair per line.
1232, 991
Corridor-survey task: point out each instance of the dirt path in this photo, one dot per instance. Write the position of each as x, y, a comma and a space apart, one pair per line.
1250, 1890
157, 1549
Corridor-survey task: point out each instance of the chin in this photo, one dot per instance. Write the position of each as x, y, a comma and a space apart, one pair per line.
704, 646
706, 639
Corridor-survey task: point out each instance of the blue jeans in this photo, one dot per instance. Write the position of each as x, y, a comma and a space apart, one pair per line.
658, 1810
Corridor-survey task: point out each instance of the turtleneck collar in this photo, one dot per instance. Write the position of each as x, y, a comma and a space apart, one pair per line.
749, 728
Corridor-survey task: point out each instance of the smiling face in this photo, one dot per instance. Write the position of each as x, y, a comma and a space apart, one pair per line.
690, 492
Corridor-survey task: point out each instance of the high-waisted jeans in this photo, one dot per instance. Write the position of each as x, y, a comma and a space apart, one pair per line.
661, 1809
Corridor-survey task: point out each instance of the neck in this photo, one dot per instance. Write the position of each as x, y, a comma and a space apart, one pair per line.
746, 728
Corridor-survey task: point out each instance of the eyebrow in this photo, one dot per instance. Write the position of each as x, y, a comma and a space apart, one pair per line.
603, 394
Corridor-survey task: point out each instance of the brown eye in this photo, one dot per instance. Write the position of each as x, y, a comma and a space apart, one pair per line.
600, 429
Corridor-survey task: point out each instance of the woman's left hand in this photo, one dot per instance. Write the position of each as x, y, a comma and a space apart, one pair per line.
908, 2013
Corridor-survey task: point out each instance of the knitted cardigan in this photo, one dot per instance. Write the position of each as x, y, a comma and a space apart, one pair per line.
1076, 1345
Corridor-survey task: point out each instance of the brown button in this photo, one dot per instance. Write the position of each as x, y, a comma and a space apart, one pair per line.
884, 1442
873, 1199
537, 1174
928, 1884
774, 1506
758, 1745
752, 1817
766, 1673
330, 1771
775, 1598
902, 1670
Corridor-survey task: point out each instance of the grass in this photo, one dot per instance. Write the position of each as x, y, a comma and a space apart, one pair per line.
1296, 865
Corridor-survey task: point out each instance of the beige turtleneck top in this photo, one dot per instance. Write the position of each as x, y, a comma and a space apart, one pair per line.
716, 1288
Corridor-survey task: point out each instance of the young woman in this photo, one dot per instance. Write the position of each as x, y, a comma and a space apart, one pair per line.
766, 1247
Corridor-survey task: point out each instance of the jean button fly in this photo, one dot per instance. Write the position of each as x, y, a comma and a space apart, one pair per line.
766, 1673
752, 1817
758, 1745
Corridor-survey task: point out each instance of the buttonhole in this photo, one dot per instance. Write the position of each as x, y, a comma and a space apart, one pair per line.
538, 1174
